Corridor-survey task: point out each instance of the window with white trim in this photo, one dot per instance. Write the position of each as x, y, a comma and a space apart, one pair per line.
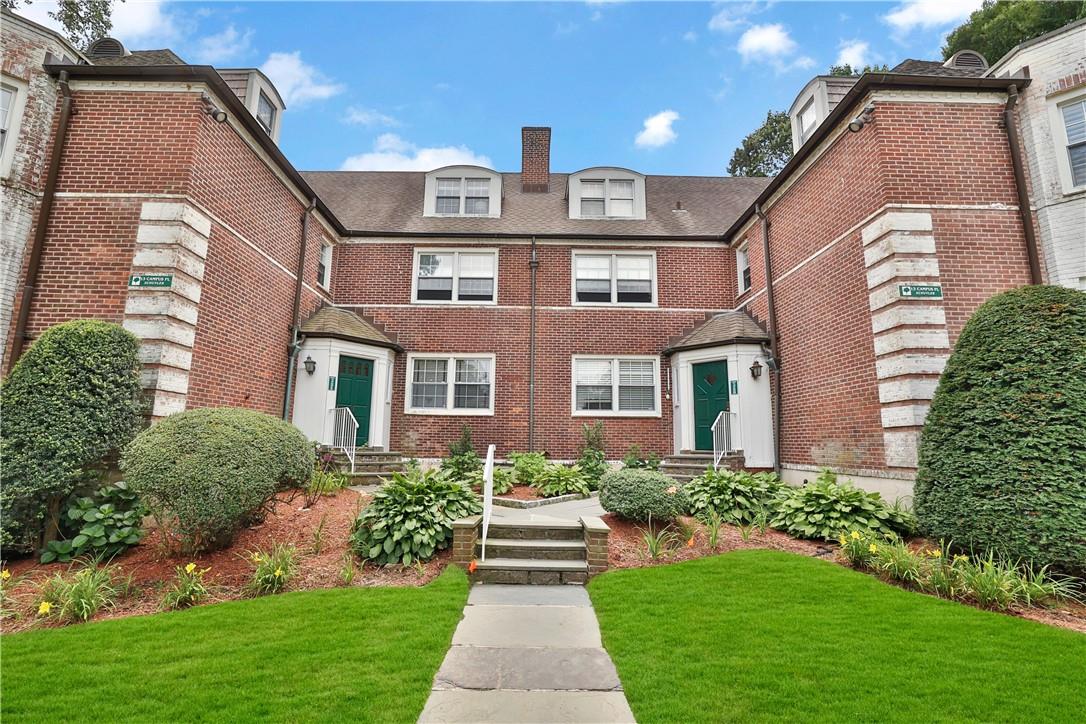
807, 120
13, 94
324, 266
450, 385
614, 278
449, 275
1074, 124
7, 106
265, 113
742, 265
616, 386
462, 196
607, 198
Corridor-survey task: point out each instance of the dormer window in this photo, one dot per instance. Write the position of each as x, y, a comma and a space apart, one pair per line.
265, 113
610, 193
463, 191
807, 121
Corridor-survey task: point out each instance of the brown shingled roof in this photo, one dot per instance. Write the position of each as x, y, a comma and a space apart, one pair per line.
730, 327
343, 324
143, 57
936, 68
391, 202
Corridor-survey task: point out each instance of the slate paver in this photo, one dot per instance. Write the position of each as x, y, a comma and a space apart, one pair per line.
516, 626
506, 595
527, 707
554, 669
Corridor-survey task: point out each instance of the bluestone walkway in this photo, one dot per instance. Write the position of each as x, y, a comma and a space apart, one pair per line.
527, 654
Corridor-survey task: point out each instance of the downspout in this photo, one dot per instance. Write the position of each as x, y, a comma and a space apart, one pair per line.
295, 333
44, 211
1011, 125
533, 266
775, 359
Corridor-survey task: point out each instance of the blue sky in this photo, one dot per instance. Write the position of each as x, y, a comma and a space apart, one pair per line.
667, 88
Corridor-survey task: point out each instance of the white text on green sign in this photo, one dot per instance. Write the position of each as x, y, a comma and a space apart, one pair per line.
920, 291
151, 280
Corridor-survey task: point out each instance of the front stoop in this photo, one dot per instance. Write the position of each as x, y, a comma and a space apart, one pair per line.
371, 466
688, 465
529, 552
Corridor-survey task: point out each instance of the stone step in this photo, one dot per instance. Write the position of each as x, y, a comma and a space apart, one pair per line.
569, 550
365, 478
685, 467
529, 571
376, 466
533, 530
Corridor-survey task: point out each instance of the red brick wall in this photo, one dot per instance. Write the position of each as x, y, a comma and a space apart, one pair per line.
368, 275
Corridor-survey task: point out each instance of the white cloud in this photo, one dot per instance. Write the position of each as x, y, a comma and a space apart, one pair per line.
138, 25
657, 131
928, 14
690, 36
855, 53
392, 153
297, 81
222, 47
734, 15
771, 43
358, 116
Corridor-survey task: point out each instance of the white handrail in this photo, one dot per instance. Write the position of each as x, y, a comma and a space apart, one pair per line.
345, 433
488, 495
722, 436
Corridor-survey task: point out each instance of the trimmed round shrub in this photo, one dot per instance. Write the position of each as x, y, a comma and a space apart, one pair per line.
411, 517
641, 494
1003, 453
70, 403
206, 473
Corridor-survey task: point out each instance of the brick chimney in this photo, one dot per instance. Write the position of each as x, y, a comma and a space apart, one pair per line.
535, 164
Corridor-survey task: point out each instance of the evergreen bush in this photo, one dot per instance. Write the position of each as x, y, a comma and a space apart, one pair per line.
642, 495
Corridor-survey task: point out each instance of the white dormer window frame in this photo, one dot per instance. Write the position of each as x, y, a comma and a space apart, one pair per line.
463, 191
808, 120
257, 87
606, 193
265, 107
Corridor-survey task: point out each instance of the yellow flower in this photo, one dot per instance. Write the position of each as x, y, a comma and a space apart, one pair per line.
841, 539
190, 568
256, 558
855, 535
936, 554
872, 548
44, 608
960, 558
5, 574
278, 572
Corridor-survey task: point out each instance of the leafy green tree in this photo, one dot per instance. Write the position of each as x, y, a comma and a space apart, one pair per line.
765, 151
1000, 25
83, 20
847, 70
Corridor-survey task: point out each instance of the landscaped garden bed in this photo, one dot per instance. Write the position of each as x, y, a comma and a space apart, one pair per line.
771, 636
333, 655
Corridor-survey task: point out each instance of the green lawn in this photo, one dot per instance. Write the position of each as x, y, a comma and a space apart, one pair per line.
775, 637
360, 654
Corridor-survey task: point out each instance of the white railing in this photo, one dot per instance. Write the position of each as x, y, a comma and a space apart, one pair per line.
488, 495
723, 441
345, 433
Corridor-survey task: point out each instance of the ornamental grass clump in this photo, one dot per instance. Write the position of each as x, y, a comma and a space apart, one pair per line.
273, 570
84, 590
411, 517
826, 508
736, 496
188, 587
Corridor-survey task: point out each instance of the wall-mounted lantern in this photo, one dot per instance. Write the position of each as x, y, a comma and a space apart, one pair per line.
310, 365
756, 369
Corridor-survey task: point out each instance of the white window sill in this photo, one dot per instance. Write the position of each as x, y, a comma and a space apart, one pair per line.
449, 413
612, 305
454, 303
616, 413
436, 215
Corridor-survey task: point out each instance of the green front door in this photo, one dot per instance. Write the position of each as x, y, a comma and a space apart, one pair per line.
354, 389
710, 399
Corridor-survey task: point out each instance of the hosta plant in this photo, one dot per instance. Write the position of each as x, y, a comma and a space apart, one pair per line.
411, 517
826, 508
102, 526
555, 480
737, 496
526, 466
503, 480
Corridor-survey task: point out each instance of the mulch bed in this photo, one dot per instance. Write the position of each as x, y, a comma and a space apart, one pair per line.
152, 565
521, 492
627, 549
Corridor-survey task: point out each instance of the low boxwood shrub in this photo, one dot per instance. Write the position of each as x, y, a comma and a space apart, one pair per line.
735, 495
101, 526
642, 495
826, 508
206, 473
526, 466
411, 517
555, 480
1003, 449
71, 402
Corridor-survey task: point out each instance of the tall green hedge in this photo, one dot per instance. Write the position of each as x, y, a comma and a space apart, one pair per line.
72, 400
1003, 452
208, 472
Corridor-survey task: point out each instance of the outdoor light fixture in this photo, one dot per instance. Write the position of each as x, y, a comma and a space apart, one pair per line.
861, 120
310, 365
756, 369
213, 110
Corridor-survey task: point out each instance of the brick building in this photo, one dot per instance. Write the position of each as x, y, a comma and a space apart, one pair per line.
526, 304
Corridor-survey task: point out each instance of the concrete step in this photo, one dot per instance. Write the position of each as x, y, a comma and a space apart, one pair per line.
533, 530
531, 572
685, 467
365, 478
534, 549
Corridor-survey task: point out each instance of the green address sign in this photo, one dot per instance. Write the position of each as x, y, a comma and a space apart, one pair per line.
920, 291
157, 281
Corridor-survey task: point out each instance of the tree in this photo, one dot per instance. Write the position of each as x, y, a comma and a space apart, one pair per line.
83, 21
765, 151
1000, 25
847, 70
1003, 453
